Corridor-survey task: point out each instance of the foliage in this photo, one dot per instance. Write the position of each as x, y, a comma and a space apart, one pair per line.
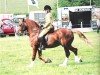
67, 3
87, 2
54, 11
97, 3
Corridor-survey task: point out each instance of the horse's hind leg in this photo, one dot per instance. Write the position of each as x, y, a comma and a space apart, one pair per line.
41, 58
67, 53
75, 51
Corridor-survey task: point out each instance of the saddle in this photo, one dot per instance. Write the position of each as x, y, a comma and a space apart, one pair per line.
46, 35
44, 39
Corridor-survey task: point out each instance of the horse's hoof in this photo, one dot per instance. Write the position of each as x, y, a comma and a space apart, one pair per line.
48, 61
81, 60
78, 60
31, 64
62, 65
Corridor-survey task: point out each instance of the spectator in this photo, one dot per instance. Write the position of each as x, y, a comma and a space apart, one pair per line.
98, 25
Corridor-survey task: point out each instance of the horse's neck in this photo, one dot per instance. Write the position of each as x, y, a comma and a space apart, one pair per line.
33, 27
33, 31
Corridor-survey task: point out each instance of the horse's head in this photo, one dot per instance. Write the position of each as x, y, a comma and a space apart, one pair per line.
22, 26
28, 25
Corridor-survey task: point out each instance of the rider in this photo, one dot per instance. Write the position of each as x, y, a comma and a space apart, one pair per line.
47, 26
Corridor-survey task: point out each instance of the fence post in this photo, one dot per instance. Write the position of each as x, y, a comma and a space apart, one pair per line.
81, 24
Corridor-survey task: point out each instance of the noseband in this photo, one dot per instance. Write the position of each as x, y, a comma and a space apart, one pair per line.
24, 28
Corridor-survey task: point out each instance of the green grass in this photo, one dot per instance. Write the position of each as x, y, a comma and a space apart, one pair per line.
21, 6
15, 55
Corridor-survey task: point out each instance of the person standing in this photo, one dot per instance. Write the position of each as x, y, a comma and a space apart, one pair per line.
98, 25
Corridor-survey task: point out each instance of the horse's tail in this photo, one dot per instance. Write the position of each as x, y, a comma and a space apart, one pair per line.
83, 37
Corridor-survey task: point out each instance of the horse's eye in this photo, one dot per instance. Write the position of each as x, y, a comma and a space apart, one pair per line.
20, 25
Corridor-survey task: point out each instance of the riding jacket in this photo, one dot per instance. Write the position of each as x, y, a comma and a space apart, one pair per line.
47, 26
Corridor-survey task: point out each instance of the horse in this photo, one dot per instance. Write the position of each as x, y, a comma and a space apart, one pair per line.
62, 36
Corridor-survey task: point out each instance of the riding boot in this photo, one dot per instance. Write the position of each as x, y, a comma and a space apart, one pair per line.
41, 47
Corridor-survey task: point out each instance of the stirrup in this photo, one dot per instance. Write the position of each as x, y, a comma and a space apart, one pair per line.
41, 47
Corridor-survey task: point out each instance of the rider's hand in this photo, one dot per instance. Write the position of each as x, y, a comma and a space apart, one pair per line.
43, 28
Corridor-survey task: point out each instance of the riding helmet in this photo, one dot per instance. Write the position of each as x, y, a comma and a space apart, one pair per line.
46, 7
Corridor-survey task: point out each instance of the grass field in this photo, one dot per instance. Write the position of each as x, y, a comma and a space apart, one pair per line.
15, 55
21, 6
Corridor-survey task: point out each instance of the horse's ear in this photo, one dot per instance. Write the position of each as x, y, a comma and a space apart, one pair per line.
23, 20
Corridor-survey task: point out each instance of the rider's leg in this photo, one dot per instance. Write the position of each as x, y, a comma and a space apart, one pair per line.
41, 38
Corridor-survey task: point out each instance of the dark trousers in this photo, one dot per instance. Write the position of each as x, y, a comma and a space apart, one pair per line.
98, 28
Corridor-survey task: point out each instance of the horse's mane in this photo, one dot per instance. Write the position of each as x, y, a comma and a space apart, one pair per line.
36, 24
32, 22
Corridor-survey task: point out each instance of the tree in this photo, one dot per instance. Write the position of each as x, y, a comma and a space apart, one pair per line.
87, 2
97, 3
68, 3
54, 11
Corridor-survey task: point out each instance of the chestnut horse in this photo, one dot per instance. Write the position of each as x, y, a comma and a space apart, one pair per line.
62, 36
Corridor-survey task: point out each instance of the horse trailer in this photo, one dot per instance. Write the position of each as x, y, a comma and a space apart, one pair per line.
78, 16
38, 16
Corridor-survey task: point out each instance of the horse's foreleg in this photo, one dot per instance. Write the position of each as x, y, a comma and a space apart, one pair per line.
33, 57
67, 53
41, 58
75, 51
